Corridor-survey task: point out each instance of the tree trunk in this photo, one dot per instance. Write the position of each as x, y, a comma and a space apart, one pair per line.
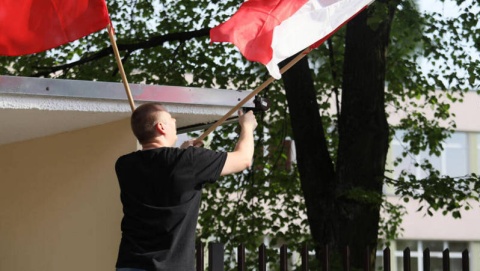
313, 159
337, 210
363, 135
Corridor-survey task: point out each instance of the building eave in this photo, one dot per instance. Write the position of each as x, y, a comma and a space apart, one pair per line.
37, 107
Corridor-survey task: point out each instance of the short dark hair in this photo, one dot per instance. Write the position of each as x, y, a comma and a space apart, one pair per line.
143, 121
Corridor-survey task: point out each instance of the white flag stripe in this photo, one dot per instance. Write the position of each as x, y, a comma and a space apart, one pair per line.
312, 22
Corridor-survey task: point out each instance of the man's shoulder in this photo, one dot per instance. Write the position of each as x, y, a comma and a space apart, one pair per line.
150, 152
164, 153
168, 153
127, 156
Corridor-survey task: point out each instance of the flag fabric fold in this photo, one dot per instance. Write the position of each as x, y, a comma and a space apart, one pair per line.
269, 31
32, 26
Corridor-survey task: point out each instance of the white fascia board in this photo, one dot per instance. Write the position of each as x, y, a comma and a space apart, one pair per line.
100, 91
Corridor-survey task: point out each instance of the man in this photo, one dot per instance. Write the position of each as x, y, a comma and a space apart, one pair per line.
161, 189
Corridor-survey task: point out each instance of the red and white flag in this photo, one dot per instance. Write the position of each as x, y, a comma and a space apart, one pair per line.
31, 26
269, 31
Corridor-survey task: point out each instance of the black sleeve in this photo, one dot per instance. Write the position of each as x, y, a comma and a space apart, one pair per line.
207, 164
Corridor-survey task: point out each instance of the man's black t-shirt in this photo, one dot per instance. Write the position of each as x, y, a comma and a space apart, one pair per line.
160, 193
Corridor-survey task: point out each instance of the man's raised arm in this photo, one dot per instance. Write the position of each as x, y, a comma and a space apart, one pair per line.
242, 155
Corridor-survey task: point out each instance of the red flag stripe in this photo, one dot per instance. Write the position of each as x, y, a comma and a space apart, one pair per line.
269, 31
31, 26
251, 27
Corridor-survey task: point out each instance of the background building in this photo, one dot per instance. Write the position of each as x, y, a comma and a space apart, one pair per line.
460, 156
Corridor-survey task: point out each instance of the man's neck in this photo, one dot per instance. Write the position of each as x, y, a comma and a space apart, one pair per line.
149, 146
155, 145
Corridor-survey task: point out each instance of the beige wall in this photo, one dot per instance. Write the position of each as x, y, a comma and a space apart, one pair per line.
466, 112
421, 226
59, 200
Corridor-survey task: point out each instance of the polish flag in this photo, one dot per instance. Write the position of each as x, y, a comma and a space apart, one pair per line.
32, 26
269, 31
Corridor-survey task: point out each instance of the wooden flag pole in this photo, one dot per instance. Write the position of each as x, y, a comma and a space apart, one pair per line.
252, 94
111, 34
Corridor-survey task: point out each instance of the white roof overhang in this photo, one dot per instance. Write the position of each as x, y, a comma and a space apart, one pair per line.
37, 107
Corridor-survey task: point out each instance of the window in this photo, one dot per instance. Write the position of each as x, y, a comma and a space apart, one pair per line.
477, 170
453, 160
455, 156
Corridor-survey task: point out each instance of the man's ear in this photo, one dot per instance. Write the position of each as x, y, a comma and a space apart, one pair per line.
160, 127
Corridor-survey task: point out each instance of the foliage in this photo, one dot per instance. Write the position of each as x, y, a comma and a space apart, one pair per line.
436, 192
445, 42
267, 200
391, 221
263, 205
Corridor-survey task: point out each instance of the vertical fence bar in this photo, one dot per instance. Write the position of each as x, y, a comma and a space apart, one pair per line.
283, 258
215, 257
426, 259
262, 263
446, 260
465, 261
304, 257
241, 257
326, 263
406, 260
367, 259
200, 257
346, 259
386, 259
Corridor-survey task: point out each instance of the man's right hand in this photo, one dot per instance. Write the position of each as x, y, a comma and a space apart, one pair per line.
247, 120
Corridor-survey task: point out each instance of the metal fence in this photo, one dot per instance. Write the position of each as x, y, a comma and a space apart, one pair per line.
216, 259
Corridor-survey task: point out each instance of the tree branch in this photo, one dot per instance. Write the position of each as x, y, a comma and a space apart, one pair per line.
129, 47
